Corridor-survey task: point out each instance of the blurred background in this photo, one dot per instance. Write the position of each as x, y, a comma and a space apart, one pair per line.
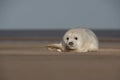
28, 26
59, 14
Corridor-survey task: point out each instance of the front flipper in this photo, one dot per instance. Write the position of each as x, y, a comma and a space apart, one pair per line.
55, 47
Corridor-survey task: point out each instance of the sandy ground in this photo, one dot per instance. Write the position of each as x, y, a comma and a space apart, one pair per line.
39, 48
21, 60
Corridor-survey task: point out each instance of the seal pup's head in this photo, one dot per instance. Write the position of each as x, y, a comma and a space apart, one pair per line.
72, 40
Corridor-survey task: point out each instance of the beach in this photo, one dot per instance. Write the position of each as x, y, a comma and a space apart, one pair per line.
31, 60
24, 56
40, 48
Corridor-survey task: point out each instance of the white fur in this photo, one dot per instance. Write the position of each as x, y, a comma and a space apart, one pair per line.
77, 40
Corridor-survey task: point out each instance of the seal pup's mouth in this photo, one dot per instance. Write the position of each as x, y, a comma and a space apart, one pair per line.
70, 47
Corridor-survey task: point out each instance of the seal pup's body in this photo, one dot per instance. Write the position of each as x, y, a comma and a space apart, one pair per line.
77, 40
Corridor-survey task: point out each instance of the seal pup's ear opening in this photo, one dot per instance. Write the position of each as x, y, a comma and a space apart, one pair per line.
55, 47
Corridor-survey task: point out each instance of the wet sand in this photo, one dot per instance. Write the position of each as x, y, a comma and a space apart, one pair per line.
30, 60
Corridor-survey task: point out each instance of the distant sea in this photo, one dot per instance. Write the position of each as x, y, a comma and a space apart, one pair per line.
53, 33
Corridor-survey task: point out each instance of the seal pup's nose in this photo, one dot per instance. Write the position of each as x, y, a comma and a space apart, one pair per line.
70, 43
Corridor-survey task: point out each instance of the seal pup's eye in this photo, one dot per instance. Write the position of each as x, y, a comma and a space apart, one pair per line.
76, 38
67, 38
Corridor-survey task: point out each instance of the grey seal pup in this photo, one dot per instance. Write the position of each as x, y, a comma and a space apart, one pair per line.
76, 40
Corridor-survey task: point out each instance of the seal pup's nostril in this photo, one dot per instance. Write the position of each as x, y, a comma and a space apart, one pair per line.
70, 43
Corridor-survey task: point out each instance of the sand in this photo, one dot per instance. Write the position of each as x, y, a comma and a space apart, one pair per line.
30, 60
